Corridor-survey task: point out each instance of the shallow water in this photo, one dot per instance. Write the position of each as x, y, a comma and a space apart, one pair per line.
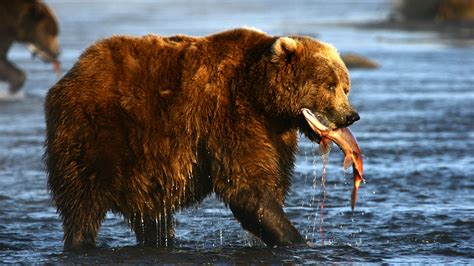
417, 132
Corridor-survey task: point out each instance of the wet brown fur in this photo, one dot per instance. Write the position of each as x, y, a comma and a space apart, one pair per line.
144, 126
29, 22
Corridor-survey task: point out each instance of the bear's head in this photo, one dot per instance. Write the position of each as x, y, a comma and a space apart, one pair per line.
301, 72
39, 29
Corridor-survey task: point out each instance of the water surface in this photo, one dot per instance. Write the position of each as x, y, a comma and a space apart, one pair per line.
417, 132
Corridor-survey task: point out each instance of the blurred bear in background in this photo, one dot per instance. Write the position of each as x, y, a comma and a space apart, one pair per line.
30, 22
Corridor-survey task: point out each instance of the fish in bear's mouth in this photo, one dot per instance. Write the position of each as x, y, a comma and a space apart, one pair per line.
321, 119
46, 56
344, 138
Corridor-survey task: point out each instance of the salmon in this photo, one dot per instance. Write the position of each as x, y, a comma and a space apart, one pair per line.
57, 67
344, 138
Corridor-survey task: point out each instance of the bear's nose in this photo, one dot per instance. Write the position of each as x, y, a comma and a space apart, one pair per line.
352, 117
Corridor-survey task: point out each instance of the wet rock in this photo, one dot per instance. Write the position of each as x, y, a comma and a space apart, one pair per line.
452, 19
456, 10
356, 61
429, 10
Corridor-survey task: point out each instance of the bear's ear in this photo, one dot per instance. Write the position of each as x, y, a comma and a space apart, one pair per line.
37, 11
284, 49
34, 14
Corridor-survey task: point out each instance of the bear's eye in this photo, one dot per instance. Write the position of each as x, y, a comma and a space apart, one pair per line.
331, 87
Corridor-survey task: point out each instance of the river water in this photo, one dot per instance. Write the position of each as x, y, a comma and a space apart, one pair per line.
416, 131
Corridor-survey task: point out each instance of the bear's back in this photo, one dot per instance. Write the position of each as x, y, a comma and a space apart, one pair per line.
187, 80
144, 71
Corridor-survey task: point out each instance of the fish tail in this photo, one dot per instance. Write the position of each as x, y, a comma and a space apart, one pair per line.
357, 180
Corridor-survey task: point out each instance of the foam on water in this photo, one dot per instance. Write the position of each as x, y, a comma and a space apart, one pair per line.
6, 96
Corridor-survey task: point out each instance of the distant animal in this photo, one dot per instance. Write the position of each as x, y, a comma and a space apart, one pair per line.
30, 22
145, 126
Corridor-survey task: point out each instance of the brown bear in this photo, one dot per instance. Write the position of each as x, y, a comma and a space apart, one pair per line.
144, 126
30, 22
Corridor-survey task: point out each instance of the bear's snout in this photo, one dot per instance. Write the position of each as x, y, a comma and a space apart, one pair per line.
339, 118
345, 119
351, 118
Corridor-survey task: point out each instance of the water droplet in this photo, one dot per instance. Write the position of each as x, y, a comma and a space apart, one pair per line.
142, 227
221, 237
159, 231
166, 229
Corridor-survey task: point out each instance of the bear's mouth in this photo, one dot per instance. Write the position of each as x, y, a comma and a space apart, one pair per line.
317, 121
314, 125
36, 51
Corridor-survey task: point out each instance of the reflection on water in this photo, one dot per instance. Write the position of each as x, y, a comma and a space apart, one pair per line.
416, 130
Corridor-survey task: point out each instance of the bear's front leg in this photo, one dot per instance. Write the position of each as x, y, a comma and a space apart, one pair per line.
11, 74
263, 216
153, 230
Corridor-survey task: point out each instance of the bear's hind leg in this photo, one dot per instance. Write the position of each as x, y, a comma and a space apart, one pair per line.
81, 223
81, 206
153, 231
